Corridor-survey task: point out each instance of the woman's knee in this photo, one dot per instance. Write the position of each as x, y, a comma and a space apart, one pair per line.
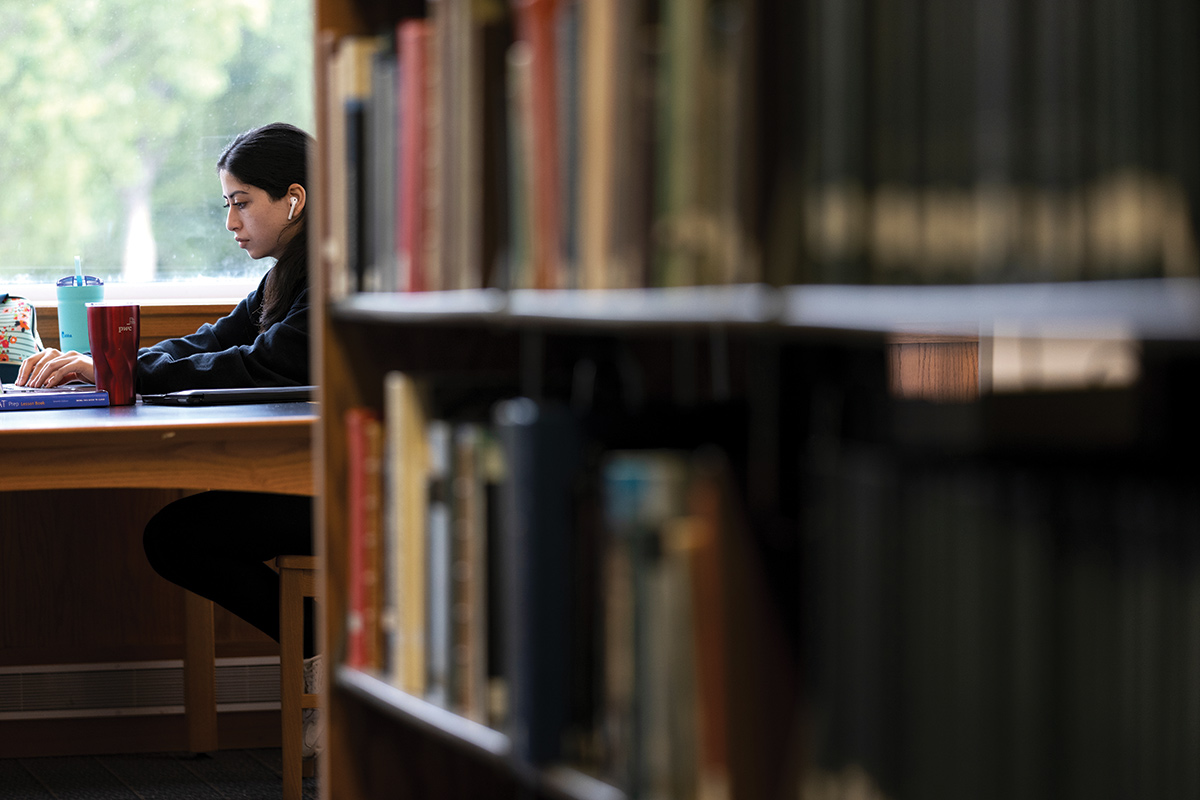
169, 540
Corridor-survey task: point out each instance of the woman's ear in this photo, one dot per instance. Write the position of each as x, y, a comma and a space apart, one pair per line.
296, 197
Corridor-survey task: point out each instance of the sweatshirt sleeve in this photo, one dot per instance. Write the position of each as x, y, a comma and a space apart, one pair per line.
231, 352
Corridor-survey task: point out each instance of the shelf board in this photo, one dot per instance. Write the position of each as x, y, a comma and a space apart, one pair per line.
1167, 308
484, 305
749, 304
558, 780
431, 718
685, 306
571, 783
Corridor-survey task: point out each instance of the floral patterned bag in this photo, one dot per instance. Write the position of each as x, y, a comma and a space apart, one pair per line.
19, 337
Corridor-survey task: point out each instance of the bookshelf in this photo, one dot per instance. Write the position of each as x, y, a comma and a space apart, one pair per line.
645, 313
477, 348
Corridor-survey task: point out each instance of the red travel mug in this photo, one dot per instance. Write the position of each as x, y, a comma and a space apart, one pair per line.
113, 331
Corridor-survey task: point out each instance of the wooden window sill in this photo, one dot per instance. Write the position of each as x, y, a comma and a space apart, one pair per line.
160, 319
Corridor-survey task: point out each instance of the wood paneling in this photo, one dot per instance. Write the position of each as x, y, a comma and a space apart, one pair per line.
76, 586
940, 369
159, 320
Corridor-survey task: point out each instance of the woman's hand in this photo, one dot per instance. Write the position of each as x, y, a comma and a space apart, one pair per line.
53, 367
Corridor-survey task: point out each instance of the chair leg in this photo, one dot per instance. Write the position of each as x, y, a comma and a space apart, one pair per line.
297, 580
291, 679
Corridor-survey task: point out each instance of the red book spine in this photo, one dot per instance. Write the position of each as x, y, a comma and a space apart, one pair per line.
356, 421
536, 26
412, 43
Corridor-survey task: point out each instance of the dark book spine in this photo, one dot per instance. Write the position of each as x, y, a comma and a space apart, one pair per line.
540, 446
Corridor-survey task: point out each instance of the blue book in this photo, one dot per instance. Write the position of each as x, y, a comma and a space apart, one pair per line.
20, 398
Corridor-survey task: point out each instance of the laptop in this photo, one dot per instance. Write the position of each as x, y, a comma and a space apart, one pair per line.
12, 388
225, 397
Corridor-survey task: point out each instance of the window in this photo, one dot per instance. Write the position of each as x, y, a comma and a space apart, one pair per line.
115, 112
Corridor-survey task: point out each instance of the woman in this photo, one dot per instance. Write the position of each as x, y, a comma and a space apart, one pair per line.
215, 543
264, 341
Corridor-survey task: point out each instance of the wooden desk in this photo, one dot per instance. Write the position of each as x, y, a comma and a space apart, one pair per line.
267, 447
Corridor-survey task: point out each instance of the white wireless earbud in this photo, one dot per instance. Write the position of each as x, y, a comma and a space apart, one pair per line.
292, 210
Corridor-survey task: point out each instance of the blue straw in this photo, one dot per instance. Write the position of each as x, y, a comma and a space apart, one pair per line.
78, 272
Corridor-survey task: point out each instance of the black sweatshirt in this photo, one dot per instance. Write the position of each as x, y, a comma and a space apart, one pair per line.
231, 352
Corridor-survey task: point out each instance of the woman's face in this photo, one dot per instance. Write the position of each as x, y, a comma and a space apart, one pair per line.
259, 224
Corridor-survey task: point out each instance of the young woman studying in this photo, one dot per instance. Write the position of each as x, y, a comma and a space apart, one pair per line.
215, 543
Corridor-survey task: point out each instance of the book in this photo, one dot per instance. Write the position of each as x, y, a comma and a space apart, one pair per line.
438, 601
760, 690
437, 170
518, 273
380, 173
536, 26
336, 217
541, 446
597, 167
711, 641
615, 92
364, 447
650, 678
567, 32
356, 54
468, 573
462, 127
412, 40
678, 257
406, 419
18, 398
495, 38
707, 108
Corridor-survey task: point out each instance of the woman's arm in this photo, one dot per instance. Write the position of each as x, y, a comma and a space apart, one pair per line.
231, 353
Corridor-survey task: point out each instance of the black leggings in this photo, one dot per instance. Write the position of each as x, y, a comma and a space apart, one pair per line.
215, 544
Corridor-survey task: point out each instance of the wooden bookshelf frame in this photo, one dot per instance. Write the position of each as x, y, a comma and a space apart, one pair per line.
930, 335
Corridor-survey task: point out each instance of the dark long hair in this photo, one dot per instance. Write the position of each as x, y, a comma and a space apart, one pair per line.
272, 158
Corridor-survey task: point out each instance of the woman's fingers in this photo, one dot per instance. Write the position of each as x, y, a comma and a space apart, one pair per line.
53, 367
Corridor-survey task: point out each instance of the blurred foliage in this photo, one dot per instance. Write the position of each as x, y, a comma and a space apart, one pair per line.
112, 104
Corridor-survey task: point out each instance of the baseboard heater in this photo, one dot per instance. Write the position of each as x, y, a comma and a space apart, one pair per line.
135, 688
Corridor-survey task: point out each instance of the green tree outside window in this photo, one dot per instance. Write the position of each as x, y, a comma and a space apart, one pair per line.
114, 112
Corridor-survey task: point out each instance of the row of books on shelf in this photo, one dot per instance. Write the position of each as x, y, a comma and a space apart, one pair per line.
935, 142
1019, 627
541, 144
630, 143
512, 572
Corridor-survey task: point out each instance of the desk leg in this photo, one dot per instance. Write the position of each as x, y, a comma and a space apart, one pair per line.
199, 674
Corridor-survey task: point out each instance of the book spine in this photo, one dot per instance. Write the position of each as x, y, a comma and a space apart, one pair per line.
407, 446
541, 454
596, 147
536, 25
567, 28
43, 401
411, 187
355, 72
338, 281
468, 576
356, 423
521, 245
437, 177
381, 171
438, 553
651, 675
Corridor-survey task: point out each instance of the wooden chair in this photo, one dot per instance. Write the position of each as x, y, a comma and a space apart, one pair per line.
297, 580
